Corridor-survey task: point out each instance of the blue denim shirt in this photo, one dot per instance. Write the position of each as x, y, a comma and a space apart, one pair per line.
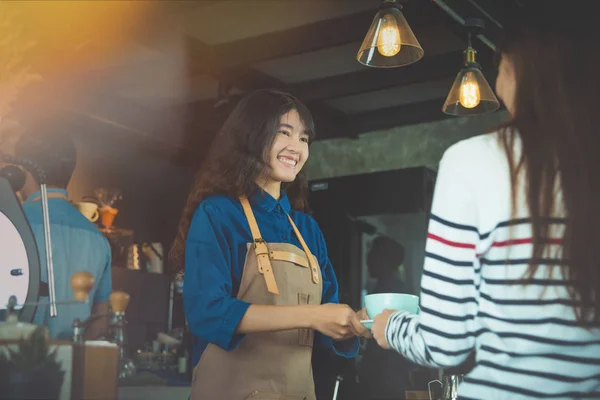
215, 254
77, 245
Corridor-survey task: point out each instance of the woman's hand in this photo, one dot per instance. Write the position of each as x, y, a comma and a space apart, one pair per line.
338, 321
363, 316
378, 328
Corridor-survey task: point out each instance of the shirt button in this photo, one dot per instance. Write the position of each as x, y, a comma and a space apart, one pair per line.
286, 237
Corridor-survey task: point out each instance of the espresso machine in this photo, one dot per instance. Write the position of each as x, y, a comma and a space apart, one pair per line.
94, 366
117, 333
81, 283
20, 285
19, 260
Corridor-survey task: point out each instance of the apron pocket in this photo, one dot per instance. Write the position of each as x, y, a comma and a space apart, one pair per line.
260, 395
305, 336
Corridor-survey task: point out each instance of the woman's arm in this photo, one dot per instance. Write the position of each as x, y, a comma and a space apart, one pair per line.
337, 321
213, 314
211, 311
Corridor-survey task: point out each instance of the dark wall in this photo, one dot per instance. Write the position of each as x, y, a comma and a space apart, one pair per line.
154, 188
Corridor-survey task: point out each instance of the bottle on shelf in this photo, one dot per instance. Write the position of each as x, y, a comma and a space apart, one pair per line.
183, 354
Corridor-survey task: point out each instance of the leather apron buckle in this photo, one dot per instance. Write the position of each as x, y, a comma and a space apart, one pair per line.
314, 267
264, 264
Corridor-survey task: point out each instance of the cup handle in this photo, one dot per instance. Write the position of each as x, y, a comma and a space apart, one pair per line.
95, 216
429, 387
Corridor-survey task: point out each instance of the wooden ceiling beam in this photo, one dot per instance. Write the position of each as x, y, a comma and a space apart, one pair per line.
248, 79
407, 114
329, 121
373, 79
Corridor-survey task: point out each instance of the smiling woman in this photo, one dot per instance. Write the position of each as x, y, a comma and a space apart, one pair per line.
287, 155
259, 288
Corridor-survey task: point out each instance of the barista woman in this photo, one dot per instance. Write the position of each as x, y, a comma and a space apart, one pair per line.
259, 288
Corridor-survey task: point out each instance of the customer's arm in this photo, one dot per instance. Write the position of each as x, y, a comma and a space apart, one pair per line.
444, 333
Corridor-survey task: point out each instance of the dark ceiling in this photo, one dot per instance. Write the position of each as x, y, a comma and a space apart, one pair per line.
229, 47
349, 103
347, 98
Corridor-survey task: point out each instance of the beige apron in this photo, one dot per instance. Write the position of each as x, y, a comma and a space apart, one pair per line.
270, 365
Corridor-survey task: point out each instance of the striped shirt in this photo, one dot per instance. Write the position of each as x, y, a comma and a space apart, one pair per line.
527, 342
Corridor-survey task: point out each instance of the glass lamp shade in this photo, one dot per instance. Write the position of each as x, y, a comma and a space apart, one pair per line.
389, 42
470, 94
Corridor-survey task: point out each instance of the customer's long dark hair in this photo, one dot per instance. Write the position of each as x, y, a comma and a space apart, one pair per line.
554, 50
237, 157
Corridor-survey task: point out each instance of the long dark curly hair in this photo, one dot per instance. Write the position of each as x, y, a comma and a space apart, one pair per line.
237, 157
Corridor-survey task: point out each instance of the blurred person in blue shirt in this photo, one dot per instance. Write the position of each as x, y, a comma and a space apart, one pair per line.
384, 375
251, 340
77, 244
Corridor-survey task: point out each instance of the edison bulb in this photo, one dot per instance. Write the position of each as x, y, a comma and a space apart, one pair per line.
469, 95
388, 40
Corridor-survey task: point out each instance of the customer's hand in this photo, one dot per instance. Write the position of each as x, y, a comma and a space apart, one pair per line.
379, 324
337, 321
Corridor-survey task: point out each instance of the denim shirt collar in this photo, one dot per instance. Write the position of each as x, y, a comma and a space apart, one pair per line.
265, 201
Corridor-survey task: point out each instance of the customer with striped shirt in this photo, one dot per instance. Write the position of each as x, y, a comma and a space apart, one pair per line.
512, 269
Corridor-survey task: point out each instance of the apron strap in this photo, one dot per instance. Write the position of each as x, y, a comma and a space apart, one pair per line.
312, 260
260, 248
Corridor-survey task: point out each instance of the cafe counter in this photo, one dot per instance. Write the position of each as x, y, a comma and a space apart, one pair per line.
153, 393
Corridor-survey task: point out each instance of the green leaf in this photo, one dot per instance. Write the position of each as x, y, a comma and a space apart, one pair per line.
32, 352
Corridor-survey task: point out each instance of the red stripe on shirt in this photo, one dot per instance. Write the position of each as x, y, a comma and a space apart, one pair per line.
523, 241
449, 242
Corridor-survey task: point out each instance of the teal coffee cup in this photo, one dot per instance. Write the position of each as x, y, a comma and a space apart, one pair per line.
377, 303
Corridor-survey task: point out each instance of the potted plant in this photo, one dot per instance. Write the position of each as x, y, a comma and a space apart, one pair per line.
31, 371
